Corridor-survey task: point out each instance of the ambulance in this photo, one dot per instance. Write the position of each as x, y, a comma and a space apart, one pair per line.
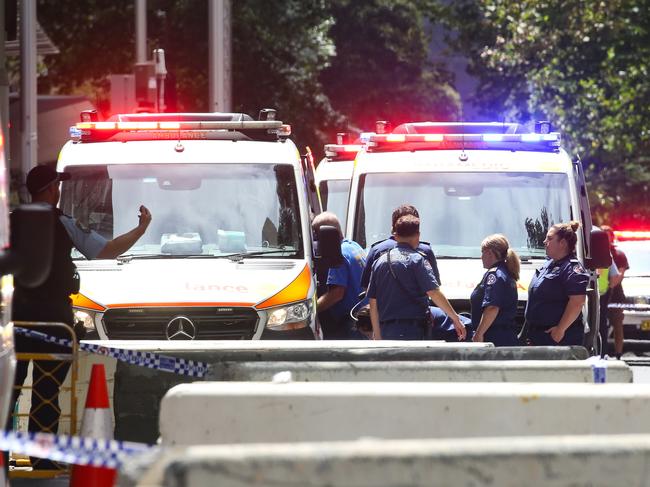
334, 173
229, 253
470, 180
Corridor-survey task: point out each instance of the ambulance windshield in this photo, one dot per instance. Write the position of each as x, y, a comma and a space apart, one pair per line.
458, 210
197, 209
334, 197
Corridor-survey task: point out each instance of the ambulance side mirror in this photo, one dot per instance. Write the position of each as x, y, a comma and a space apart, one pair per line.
600, 256
30, 255
328, 248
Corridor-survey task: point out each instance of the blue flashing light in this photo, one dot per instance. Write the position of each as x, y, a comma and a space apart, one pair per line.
492, 137
550, 137
531, 137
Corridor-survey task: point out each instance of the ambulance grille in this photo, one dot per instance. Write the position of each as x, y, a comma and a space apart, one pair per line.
213, 323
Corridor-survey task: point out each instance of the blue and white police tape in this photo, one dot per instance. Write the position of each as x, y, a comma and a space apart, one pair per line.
181, 366
630, 306
71, 449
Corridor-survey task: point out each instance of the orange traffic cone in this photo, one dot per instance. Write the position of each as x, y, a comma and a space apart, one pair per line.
96, 423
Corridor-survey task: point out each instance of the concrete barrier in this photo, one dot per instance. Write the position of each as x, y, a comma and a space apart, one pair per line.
346, 351
599, 461
425, 371
254, 412
138, 390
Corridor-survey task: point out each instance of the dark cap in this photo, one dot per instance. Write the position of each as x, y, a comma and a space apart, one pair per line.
40, 177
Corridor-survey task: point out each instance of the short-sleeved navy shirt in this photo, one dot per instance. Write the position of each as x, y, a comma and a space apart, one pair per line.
347, 275
550, 288
382, 246
497, 288
416, 277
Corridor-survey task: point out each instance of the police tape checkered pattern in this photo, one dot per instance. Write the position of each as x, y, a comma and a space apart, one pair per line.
181, 366
71, 449
629, 306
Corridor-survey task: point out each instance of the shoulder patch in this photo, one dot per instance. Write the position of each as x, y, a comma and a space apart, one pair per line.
578, 269
491, 279
427, 265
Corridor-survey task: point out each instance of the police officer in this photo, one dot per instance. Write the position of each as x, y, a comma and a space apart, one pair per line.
494, 300
335, 303
558, 291
50, 302
400, 282
382, 246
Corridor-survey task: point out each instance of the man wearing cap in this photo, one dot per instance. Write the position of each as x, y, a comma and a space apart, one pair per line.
50, 302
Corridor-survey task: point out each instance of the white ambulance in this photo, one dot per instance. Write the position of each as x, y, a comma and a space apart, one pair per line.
229, 251
470, 180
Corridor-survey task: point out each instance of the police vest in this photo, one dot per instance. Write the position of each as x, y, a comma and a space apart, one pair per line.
61, 282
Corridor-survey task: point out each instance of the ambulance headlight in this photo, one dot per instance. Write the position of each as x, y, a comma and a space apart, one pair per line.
290, 317
86, 317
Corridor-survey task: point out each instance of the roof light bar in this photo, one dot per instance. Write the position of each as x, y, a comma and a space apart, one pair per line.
342, 152
95, 131
527, 141
632, 234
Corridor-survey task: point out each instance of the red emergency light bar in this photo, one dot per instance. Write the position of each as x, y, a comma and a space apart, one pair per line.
342, 152
142, 130
442, 141
632, 234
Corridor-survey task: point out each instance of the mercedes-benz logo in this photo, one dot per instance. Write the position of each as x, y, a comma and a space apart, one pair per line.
180, 328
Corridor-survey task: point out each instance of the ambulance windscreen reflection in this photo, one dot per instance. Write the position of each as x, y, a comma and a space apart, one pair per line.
198, 209
458, 210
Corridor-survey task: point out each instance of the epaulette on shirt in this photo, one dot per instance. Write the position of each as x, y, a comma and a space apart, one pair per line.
378, 242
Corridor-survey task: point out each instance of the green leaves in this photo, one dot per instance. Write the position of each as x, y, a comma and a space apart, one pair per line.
582, 64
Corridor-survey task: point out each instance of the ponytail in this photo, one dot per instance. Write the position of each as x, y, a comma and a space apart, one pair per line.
513, 264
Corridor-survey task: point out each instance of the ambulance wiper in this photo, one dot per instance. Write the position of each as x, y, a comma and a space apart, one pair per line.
243, 255
126, 258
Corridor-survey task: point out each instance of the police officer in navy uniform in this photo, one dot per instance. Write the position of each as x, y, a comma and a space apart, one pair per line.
50, 302
400, 282
494, 300
382, 246
558, 291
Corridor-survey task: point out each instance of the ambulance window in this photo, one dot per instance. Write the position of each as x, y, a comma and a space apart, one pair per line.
334, 194
458, 210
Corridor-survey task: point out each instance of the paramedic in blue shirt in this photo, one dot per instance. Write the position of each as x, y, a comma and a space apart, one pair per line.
343, 285
558, 291
382, 246
494, 300
50, 302
400, 282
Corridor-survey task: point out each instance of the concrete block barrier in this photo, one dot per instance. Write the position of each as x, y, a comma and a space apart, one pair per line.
424, 371
254, 412
138, 391
598, 461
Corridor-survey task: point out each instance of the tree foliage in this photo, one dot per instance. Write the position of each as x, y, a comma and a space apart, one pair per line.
582, 64
323, 64
382, 68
